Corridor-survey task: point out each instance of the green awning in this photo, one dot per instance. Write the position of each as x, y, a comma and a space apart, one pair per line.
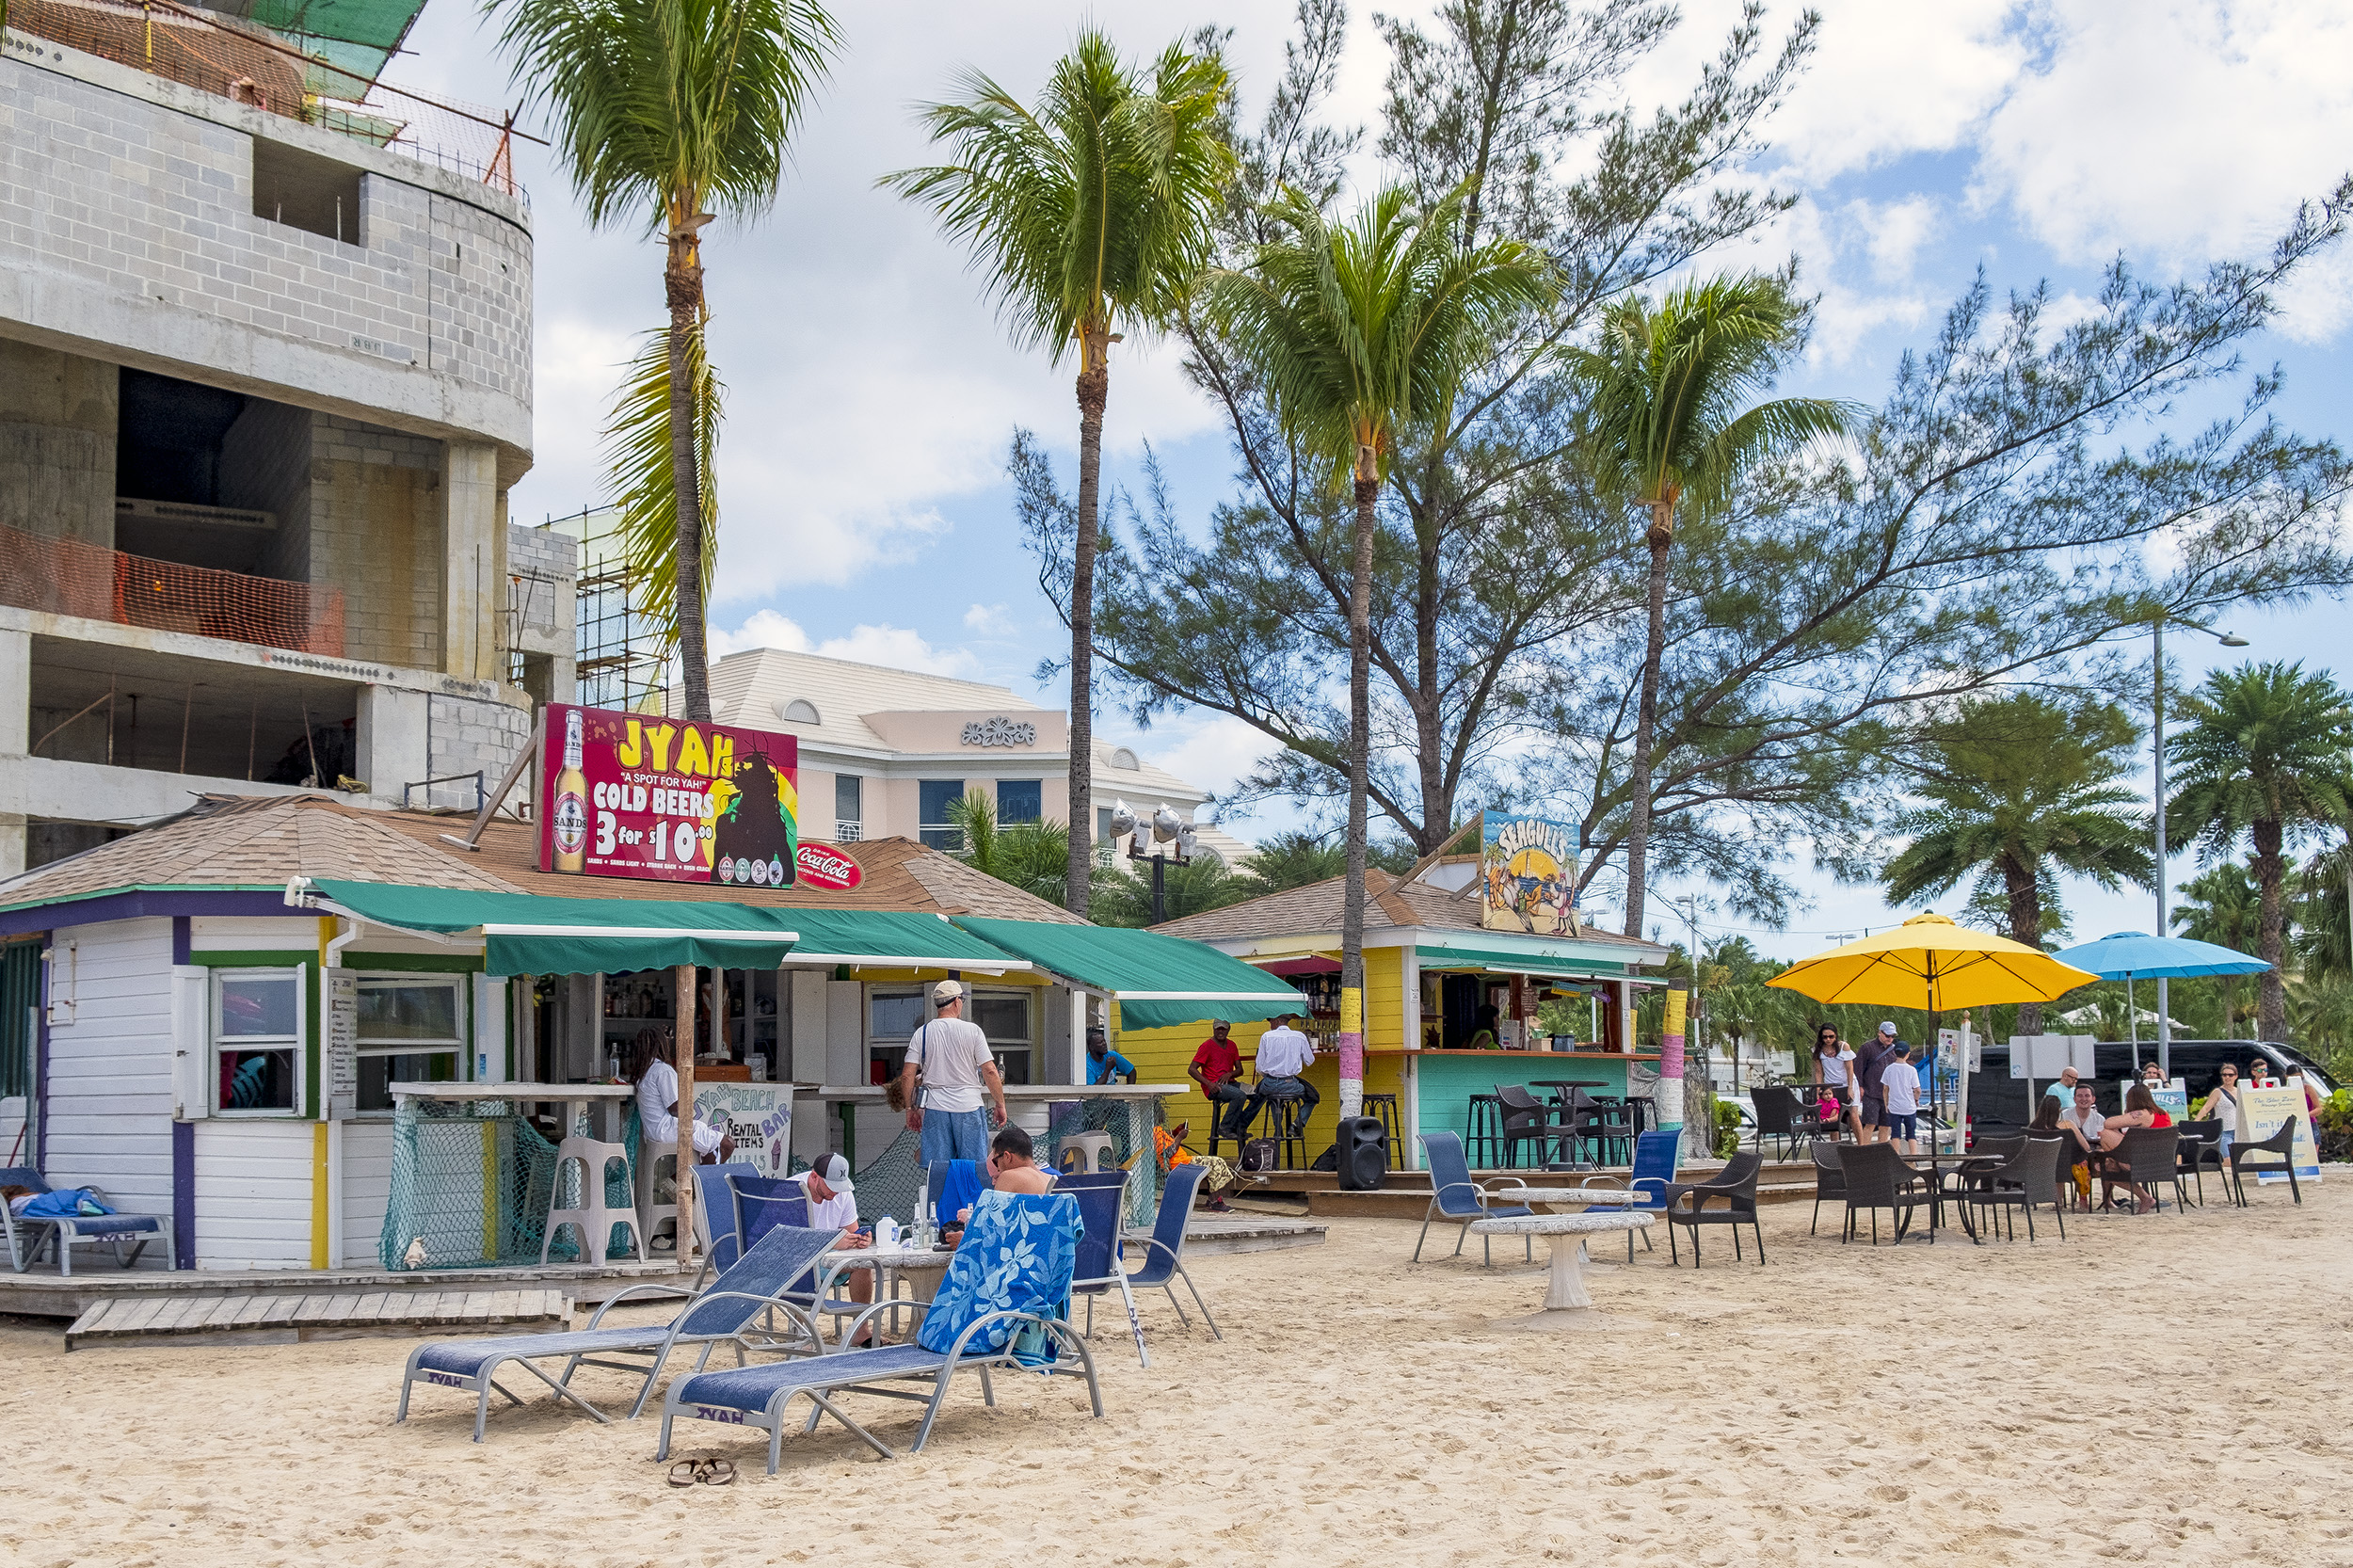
530, 933
1158, 980
1508, 961
892, 938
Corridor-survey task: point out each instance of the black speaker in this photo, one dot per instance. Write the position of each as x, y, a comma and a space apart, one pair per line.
1364, 1149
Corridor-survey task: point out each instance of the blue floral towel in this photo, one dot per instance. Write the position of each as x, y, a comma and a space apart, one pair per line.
1017, 1253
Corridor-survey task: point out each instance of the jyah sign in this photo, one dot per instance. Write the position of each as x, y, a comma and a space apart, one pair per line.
626, 794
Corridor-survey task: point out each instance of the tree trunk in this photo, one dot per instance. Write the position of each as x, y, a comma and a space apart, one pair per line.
1661, 539
1359, 763
2025, 925
2271, 986
682, 287
1094, 393
1437, 802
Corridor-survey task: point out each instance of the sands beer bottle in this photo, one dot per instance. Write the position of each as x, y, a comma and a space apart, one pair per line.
568, 815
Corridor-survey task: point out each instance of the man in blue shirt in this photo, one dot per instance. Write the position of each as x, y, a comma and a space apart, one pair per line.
1104, 1064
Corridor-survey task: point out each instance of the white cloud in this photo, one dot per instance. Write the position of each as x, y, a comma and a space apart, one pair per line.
1895, 231
893, 646
989, 620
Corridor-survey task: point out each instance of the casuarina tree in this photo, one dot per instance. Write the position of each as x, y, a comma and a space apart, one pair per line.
1671, 428
671, 113
1356, 332
1091, 211
2262, 758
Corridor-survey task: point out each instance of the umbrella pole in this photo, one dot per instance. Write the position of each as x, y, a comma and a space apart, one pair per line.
2131, 1022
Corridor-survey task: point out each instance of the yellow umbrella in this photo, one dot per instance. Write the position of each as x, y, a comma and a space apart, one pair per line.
1931, 964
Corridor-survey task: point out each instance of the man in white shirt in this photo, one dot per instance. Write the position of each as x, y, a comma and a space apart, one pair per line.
1283, 1054
657, 1103
833, 1206
2085, 1118
954, 1058
1900, 1090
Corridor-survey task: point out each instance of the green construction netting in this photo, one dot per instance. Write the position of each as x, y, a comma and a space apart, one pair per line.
355, 36
530, 933
474, 1181
1161, 981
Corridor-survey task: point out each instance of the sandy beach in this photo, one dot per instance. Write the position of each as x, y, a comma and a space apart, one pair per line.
2088, 1401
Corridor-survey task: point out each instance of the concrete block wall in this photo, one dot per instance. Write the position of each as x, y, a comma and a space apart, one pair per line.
463, 734
376, 533
127, 222
58, 415
545, 562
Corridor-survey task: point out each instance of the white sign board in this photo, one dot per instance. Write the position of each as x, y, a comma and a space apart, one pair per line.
2260, 1114
759, 1116
342, 1036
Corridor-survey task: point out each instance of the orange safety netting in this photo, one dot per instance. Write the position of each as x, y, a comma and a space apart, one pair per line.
66, 577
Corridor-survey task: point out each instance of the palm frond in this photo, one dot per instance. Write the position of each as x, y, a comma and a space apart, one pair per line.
640, 479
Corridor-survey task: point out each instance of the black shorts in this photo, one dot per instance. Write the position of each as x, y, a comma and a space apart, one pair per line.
1874, 1110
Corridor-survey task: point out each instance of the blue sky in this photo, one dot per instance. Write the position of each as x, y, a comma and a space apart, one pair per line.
872, 394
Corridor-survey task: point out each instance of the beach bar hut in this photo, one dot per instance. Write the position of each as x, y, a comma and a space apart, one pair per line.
1429, 967
226, 1001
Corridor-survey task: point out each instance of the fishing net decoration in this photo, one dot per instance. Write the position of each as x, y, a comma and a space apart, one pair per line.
473, 1182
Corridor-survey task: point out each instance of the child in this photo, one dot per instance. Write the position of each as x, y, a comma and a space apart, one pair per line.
1900, 1083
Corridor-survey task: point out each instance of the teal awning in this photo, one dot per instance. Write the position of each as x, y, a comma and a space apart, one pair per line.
892, 938
1511, 961
1158, 980
531, 933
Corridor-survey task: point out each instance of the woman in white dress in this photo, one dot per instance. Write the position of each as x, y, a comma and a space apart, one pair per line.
1834, 1070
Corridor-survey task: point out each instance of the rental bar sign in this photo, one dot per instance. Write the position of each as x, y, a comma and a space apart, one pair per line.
637, 795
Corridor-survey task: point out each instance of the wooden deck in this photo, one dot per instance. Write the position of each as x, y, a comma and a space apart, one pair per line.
290, 1317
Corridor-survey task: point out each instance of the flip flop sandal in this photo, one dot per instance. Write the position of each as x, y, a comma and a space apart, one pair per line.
686, 1472
719, 1472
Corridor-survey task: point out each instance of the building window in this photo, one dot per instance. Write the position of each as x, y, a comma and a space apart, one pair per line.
849, 809
1019, 800
257, 1040
305, 191
936, 794
411, 1029
894, 1015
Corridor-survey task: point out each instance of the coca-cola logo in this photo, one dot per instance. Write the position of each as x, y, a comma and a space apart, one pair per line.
826, 867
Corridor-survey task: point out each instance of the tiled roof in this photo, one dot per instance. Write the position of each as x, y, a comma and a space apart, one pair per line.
751, 688
243, 841
1317, 907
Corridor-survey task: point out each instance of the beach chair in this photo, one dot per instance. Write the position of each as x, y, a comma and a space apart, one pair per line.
1453, 1195
720, 1222
722, 1314
1654, 1171
1164, 1250
28, 1235
1004, 1306
1102, 1199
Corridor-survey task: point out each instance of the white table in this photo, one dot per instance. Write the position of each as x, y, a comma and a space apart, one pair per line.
1554, 1199
1564, 1234
925, 1264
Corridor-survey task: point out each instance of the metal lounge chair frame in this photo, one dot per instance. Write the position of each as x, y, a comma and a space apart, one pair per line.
1655, 1156
29, 1234
1164, 1248
1453, 1195
472, 1365
1102, 1197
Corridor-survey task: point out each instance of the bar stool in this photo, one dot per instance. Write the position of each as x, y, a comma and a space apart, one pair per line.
1093, 1149
1485, 1127
592, 1218
1288, 1128
1383, 1108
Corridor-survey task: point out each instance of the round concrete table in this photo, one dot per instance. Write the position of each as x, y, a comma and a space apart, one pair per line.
1565, 1235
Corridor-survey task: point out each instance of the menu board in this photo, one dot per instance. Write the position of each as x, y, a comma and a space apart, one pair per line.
342, 1036
2260, 1114
640, 795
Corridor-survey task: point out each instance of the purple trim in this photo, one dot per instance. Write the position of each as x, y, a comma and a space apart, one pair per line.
184, 1193
180, 942
40, 1076
132, 906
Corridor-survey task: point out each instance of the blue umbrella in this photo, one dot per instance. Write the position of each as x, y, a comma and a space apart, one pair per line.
2129, 955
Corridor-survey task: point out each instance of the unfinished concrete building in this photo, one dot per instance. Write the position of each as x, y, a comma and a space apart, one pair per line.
264, 383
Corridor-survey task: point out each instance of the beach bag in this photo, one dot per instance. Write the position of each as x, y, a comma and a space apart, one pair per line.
1257, 1156
1328, 1161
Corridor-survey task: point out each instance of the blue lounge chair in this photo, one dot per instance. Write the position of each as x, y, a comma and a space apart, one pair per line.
1164, 1251
722, 1228
1654, 1155
29, 1234
723, 1314
985, 1316
1102, 1198
1453, 1195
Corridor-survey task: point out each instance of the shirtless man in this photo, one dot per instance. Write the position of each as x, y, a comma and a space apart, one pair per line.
1013, 1163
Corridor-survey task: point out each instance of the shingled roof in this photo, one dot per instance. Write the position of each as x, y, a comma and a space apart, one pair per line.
231, 841
1389, 903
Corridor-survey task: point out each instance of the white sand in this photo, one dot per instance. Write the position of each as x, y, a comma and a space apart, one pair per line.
2004, 1405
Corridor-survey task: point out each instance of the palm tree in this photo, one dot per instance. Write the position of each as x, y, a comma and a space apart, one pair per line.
2222, 905
1033, 856
1292, 858
671, 113
642, 477
2263, 755
1093, 212
1358, 331
1667, 430
1205, 884
2016, 791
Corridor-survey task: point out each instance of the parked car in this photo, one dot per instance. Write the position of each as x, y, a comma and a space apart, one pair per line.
1996, 1096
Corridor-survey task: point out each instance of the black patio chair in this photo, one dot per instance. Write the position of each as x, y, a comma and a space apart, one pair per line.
1878, 1178
1686, 1206
1829, 1182
2275, 1153
2029, 1177
2148, 1156
1776, 1116
1527, 1119
2201, 1146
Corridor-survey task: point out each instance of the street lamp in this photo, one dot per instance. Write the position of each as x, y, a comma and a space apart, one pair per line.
1145, 840
2164, 922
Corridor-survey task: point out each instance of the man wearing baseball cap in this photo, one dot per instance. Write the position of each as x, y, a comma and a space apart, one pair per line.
954, 1060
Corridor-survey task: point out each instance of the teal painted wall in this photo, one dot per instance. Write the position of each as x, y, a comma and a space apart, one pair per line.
1446, 1083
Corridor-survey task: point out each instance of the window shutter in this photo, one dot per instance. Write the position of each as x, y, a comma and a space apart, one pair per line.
191, 1043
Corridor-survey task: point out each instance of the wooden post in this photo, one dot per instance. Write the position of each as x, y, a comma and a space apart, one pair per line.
682, 1049
719, 1014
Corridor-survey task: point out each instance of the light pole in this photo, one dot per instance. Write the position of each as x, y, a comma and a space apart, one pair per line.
1145, 844
2164, 922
